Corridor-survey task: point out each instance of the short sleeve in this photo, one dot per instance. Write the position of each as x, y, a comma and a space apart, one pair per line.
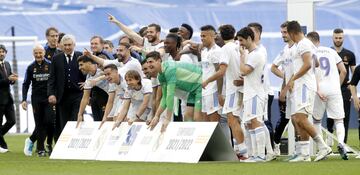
303, 48
147, 89
356, 76
352, 59
225, 57
112, 87
115, 62
216, 56
279, 60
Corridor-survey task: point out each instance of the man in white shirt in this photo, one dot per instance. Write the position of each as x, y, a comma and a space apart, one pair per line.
269, 132
233, 98
254, 101
151, 42
211, 56
89, 68
329, 96
284, 62
302, 87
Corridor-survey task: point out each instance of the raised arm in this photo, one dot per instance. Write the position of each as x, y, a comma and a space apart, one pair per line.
128, 31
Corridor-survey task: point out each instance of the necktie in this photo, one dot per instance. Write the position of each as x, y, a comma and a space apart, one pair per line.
68, 58
3, 69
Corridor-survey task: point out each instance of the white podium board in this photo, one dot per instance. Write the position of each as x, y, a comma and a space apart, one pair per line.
187, 142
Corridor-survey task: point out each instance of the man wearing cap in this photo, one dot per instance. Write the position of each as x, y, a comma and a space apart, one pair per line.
7, 78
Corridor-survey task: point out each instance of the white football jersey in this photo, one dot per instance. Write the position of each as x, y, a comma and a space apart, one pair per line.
285, 60
209, 57
102, 84
137, 96
308, 79
254, 81
267, 84
231, 57
149, 47
327, 72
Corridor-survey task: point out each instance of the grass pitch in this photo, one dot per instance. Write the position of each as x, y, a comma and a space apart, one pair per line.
15, 162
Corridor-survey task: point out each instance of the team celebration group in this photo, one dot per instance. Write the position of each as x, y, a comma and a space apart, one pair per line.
224, 78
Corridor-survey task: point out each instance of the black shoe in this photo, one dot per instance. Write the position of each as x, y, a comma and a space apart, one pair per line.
49, 149
342, 152
2, 142
42, 154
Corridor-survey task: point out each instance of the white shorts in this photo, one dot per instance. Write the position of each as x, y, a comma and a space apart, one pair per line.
131, 114
233, 103
210, 103
302, 100
254, 108
333, 106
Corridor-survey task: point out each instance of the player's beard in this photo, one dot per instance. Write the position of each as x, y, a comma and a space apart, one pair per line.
338, 44
152, 39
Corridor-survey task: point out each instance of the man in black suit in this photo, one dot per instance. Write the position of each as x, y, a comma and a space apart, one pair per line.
64, 84
7, 78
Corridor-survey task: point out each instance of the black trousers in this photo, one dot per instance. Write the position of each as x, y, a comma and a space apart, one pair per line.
43, 117
346, 94
9, 112
268, 122
67, 110
98, 103
52, 126
281, 123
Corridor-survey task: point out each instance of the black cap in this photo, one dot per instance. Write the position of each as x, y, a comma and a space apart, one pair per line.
189, 28
3, 47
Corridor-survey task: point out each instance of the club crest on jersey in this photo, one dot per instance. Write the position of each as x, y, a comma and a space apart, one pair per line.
46, 68
34, 70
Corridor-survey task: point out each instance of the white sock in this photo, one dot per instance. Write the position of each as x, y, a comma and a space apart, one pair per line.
340, 132
253, 143
320, 142
269, 148
242, 149
305, 148
317, 126
248, 142
260, 141
297, 148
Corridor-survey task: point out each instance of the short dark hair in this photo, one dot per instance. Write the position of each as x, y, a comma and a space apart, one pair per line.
256, 25
338, 30
207, 28
111, 67
154, 54
100, 38
227, 32
142, 31
189, 28
61, 35
109, 43
174, 30
47, 32
313, 36
2, 46
157, 27
176, 38
85, 59
126, 45
285, 24
294, 27
245, 33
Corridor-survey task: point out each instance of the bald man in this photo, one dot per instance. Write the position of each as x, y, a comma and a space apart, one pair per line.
37, 74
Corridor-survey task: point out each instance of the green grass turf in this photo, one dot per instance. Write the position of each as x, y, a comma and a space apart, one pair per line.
14, 162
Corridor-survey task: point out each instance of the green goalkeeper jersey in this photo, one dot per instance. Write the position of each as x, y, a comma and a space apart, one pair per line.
179, 76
